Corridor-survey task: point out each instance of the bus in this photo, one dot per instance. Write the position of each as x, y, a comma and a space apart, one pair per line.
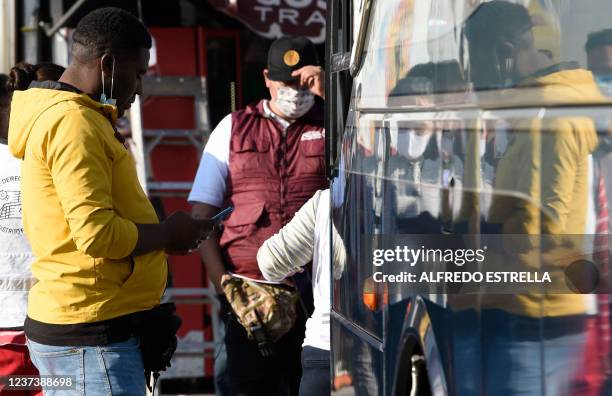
480, 132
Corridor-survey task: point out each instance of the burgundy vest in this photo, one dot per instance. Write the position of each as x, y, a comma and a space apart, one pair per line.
271, 175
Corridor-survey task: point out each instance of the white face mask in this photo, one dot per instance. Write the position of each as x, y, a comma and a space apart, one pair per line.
411, 144
294, 103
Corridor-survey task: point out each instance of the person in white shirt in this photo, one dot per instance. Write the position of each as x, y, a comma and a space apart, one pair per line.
306, 238
15, 253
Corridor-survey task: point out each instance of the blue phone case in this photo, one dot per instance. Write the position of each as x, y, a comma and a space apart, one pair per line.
223, 214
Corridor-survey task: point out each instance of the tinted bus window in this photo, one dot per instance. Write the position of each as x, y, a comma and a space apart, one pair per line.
404, 35
479, 124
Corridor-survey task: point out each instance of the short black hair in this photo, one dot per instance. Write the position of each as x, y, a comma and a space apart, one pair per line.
497, 21
487, 30
418, 81
598, 39
109, 29
431, 78
449, 77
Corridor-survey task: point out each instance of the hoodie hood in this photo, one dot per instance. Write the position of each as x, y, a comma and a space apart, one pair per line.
569, 86
27, 106
558, 85
573, 86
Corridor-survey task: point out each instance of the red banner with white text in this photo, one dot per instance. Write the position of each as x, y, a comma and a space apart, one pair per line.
276, 18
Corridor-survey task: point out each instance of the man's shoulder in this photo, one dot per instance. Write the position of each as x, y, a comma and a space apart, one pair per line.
71, 120
73, 111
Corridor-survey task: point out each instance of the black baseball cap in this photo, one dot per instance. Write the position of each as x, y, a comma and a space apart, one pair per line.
287, 54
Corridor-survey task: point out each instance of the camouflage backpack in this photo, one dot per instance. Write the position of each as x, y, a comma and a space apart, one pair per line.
266, 311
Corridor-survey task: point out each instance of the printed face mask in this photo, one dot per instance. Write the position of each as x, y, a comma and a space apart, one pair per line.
294, 103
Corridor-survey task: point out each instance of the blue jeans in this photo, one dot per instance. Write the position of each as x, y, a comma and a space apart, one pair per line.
113, 369
315, 372
222, 379
511, 355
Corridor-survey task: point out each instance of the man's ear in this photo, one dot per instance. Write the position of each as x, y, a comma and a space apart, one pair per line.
107, 62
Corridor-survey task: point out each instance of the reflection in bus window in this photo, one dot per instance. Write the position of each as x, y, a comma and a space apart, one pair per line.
599, 58
422, 158
363, 192
406, 34
414, 160
546, 168
358, 365
483, 120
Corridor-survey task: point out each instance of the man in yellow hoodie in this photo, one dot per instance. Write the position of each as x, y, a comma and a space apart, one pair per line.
100, 260
529, 343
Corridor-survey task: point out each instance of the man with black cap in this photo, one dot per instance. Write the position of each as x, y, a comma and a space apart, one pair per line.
266, 161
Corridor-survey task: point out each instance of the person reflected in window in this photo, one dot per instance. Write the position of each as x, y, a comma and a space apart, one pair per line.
599, 59
541, 181
419, 158
594, 377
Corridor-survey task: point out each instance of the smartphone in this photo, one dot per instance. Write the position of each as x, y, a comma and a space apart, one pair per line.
224, 214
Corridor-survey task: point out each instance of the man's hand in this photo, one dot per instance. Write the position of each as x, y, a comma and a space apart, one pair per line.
183, 233
313, 78
207, 228
179, 234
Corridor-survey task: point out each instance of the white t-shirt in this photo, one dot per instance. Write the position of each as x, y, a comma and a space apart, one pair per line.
15, 253
306, 238
209, 184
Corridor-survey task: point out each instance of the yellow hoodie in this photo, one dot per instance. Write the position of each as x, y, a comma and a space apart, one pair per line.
81, 201
546, 168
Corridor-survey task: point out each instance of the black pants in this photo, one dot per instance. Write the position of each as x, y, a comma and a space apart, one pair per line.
251, 374
316, 379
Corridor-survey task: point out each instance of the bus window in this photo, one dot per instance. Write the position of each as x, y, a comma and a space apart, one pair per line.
360, 217
482, 124
403, 35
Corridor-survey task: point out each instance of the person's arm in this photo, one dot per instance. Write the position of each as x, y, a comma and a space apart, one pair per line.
82, 175
560, 153
178, 234
208, 193
292, 247
209, 249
